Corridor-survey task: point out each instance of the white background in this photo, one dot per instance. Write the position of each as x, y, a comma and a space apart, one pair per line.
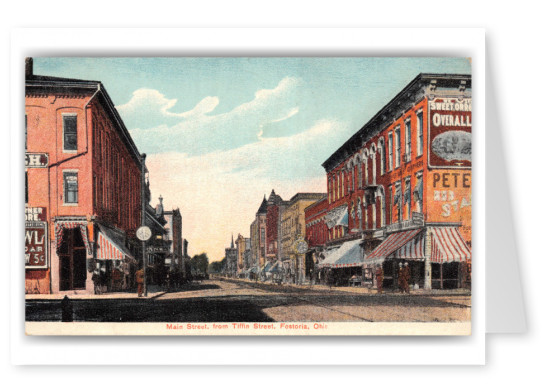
517, 53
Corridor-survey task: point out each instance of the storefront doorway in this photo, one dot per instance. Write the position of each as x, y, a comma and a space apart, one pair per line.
72, 261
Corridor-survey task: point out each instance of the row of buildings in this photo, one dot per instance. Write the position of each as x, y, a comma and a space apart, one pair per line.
276, 238
86, 184
398, 193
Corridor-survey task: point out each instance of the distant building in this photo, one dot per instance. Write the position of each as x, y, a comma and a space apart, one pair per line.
241, 245
317, 233
273, 225
293, 229
258, 235
231, 260
173, 229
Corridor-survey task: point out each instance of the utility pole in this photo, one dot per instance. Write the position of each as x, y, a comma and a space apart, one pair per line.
144, 254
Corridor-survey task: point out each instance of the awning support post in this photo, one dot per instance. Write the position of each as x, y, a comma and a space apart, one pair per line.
428, 256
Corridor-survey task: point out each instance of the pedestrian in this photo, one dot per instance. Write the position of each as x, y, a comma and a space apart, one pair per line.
401, 279
140, 281
330, 279
379, 275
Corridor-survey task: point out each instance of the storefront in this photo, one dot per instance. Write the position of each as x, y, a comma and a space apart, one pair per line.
115, 266
446, 254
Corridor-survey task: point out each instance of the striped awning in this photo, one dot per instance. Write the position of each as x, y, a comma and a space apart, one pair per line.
449, 246
351, 254
81, 225
414, 249
392, 243
109, 247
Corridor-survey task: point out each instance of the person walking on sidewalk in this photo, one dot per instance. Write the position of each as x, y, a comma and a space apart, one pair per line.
406, 277
140, 281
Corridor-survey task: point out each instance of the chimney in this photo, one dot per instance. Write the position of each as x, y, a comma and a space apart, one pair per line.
28, 67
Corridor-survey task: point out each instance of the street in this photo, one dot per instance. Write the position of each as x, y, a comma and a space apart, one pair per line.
244, 301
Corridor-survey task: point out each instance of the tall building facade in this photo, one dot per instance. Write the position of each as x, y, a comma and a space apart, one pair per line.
399, 190
173, 238
293, 229
83, 185
258, 235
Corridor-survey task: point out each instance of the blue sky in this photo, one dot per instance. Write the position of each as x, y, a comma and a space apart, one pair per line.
222, 132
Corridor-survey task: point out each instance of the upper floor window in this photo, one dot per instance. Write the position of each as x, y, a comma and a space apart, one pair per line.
69, 132
390, 153
408, 141
383, 158
398, 143
25, 132
70, 187
419, 133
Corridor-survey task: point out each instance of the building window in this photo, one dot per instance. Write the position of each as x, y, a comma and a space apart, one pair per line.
390, 153
70, 187
397, 200
26, 187
390, 204
418, 192
342, 183
69, 132
407, 198
25, 132
383, 157
419, 133
408, 142
398, 143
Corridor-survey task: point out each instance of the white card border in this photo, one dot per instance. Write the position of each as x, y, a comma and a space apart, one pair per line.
243, 350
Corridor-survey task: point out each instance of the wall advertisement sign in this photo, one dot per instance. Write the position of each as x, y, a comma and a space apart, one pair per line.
36, 238
449, 134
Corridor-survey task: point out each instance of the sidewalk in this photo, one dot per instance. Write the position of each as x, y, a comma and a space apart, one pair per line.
154, 291
356, 289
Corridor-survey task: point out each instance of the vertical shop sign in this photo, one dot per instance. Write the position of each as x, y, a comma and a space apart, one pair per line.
36, 238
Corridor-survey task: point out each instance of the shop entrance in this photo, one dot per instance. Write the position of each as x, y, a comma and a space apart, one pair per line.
72, 261
445, 275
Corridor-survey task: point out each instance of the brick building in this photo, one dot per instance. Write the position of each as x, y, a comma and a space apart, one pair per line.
83, 186
317, 233
293, 229
399, 190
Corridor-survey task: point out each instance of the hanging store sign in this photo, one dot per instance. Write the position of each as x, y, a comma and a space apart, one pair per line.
36, 239
449, 133
36, 160
158, 249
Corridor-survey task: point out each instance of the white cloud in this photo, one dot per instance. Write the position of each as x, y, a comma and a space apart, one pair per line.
218, 193
200, 132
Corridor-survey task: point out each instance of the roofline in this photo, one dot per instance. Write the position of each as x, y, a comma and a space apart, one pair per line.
107, 103
422, 77
316, 203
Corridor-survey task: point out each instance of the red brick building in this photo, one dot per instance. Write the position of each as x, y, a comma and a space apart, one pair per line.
83, 181
400, 188
317, 233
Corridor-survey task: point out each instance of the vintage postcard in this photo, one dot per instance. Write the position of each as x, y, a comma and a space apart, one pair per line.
248, 196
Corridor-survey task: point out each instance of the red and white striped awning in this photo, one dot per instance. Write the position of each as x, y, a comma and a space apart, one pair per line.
81, 225
413, 250
109, 248
449, 246
392, 243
